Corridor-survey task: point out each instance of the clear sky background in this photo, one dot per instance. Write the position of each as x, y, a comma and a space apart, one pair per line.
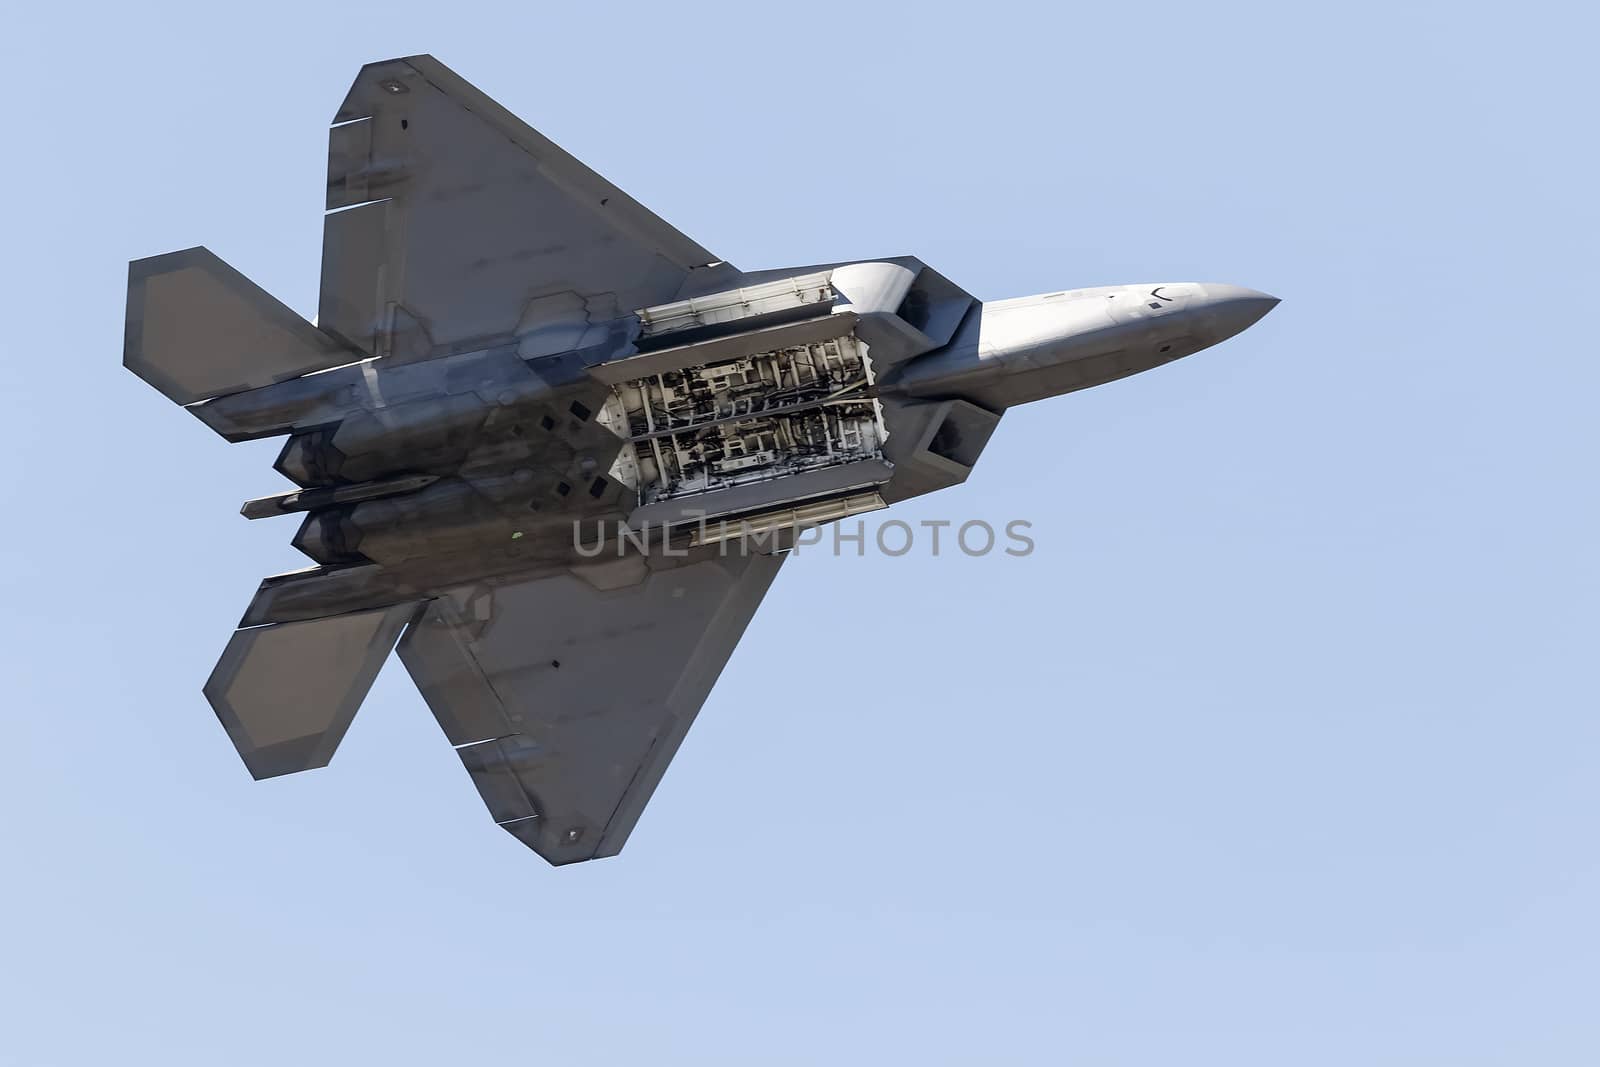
1281, 748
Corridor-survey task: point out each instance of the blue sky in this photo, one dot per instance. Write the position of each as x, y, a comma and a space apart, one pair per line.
1281, 747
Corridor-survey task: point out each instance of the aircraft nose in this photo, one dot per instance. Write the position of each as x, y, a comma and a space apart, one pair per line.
1231, 309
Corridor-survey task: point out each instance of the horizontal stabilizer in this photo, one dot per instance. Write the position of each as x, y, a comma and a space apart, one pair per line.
287, 692
197, 329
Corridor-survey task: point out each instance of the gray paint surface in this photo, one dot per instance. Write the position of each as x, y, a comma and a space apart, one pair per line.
455, 210
566, 702
508, 346
286, 693
197, 328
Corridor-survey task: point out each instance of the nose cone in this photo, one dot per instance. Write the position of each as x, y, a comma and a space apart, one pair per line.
1231, 309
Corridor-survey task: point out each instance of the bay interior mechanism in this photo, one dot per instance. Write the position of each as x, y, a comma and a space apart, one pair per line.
742, 388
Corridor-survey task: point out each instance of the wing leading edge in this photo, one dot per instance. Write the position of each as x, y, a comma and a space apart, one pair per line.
566, 702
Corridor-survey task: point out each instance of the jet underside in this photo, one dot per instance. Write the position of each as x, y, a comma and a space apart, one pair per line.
467, 417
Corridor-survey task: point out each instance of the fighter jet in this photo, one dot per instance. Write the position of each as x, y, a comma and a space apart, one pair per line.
508, 349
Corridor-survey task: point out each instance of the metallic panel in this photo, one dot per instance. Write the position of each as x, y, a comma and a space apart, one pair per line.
360, 269
483, 217
196, 328
760, 496
286, 693
349, 164
664, 360
583, 695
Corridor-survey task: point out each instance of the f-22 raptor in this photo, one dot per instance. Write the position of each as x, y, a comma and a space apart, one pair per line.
507, 345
